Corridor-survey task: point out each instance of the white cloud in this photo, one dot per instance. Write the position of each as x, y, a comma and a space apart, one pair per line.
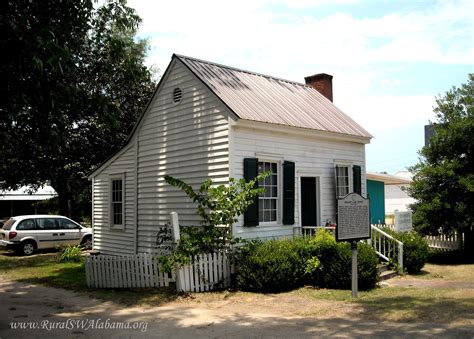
365, 55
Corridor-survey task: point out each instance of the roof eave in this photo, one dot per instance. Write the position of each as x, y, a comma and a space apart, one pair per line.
306, 132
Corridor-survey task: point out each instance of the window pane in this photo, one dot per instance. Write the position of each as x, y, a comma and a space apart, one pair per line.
274, 167
267, 204
274, 216
260, 215
268, 180
274, 191
268, 192
274, 180
267, 216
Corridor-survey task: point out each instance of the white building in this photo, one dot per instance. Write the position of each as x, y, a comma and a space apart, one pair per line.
211, 121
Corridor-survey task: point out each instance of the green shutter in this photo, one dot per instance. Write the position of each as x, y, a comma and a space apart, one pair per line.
357, 179
250, 172
288, 193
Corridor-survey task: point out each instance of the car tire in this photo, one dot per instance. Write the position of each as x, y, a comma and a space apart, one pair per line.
87, 242
27, 247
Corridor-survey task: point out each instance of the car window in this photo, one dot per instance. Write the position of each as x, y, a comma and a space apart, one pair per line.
67, 224
8, 225
46, 224
26, 225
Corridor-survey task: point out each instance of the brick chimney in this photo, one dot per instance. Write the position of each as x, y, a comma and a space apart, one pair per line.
321, 82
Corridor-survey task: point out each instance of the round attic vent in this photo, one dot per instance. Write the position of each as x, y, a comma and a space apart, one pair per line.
177, 95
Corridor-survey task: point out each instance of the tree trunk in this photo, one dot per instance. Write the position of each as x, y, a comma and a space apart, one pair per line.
63, 197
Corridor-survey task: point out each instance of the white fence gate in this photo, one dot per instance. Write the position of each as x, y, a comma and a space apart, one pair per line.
142, 270
205, 273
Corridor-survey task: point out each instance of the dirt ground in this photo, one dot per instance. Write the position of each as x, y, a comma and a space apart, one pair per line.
58, 313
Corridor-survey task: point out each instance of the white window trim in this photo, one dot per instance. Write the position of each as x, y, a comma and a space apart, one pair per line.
112, 177
343, 163
278, 161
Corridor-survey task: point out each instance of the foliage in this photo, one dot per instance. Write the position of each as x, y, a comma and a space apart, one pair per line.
283, 264
273, 265
443, 180
219, 207
70, 254
75, 80
415, 250
334, 270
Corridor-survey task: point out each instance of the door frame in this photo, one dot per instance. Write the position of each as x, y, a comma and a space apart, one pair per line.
312, 174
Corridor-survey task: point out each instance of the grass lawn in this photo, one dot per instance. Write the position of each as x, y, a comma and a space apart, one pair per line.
451, 304
45, 269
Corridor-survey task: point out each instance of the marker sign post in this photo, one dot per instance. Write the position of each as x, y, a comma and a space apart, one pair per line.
353, 224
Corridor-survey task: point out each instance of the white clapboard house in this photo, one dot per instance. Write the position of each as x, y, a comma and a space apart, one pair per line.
207, 120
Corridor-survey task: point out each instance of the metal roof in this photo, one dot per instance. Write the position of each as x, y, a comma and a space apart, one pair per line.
25, 193
258, 97
388, 179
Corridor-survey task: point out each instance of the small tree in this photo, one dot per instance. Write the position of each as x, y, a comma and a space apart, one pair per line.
219, 207
443, 181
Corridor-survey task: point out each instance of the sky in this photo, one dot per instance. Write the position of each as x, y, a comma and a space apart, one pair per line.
389, 59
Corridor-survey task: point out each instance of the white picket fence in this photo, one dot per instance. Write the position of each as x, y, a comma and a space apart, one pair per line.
142, 270
205, 273
445, 242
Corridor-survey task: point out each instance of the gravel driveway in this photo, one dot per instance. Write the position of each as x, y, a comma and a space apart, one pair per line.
58, 313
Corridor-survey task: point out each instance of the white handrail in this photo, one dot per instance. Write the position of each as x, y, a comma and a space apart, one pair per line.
386, 246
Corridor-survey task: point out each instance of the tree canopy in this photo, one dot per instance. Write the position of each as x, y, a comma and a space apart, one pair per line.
74, 82
443, 181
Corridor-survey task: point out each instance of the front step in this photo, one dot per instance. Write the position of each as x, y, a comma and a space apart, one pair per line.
385, 273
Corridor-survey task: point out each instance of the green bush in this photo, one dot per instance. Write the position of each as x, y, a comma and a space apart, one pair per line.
277, 265
70, 254
415, 250
335, 260
273, 265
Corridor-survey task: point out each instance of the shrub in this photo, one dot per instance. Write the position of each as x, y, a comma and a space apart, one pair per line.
274, 265
70, 254
283, 264
335, 259
415, 251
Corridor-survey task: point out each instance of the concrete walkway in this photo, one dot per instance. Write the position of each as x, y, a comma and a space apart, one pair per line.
58, 313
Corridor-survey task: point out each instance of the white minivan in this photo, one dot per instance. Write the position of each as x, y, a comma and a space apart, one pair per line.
27, 233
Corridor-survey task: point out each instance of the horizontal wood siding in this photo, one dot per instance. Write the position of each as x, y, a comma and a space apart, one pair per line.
308, 154
187, 140
106, 239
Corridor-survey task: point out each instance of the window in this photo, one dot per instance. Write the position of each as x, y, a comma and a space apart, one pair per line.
26, 225
46, 224
67, 224
342, 181
268, 201
116, 201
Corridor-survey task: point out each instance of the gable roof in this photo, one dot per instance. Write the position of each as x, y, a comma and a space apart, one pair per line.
263, 98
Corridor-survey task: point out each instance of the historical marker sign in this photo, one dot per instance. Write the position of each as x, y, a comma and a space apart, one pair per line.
353, 218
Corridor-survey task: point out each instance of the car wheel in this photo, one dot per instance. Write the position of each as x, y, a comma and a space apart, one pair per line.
87, 243
28, 248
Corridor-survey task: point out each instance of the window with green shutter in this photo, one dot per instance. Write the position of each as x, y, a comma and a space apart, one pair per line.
250, 173
288, 193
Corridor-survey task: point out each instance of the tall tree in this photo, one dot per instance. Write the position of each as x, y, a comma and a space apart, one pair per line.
443, 181
75, 81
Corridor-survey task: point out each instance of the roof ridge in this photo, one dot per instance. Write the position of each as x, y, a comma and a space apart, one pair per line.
180, 56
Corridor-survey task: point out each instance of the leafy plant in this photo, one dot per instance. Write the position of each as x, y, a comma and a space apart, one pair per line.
277, 265
219, 207
415, 250
70, 254
273, 265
